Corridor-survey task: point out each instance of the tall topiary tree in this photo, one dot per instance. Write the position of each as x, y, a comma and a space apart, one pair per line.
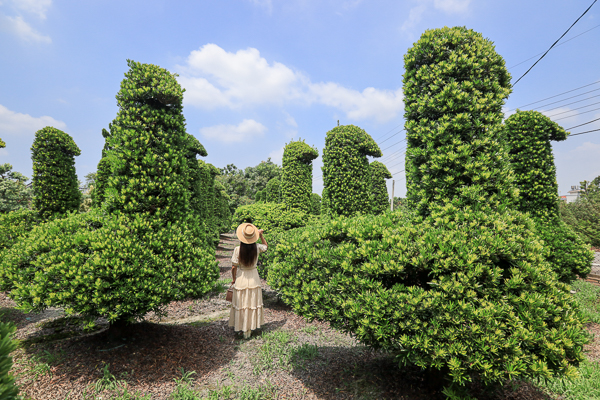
528, 134
346, 174
454, 87
380, 201
145, 247
259, 196
273, 190
296, 178
55, 185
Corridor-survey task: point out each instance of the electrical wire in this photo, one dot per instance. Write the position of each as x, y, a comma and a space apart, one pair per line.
574, 109
391, 146
581, 133
573, 102
558, 101
397, 133
568, 40
577, 126
575, 115
554, 44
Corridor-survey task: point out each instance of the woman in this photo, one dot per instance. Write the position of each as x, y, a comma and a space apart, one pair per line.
246, 306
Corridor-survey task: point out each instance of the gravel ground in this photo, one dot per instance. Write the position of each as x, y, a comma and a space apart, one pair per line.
288, 358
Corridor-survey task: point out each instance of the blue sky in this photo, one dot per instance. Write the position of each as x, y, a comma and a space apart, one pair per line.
259, 73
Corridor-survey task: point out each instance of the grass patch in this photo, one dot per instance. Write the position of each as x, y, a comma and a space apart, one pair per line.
274, 351
588, 298
584, 387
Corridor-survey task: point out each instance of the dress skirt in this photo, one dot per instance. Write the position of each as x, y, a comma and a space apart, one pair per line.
247, 303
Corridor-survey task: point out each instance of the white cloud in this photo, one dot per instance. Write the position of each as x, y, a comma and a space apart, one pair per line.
290, 120
416, 13
277, 155
13, 123
266, 4
17, 26
452, 6
214, 78
39, 7
382, 105
245, 130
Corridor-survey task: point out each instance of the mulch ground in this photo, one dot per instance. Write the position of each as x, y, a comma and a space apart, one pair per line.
153, 353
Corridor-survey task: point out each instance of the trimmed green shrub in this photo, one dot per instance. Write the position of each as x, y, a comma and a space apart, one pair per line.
2, 144
14, 194
195, 181
315, 204
55, 185
296, 178
144, 246
271, 217
346, 177
111, 266
465, 291
221, 208
272, 193
454, 87
8, 389
380, 201
528, 134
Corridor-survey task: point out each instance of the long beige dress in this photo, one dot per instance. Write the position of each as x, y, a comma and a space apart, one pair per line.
247, 304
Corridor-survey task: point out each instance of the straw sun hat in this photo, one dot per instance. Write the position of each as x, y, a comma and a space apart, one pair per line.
247, 233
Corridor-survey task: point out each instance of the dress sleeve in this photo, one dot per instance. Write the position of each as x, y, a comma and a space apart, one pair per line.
235, 258
261, 248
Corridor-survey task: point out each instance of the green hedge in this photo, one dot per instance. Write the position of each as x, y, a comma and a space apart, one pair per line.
454, 87
271, 217
466, 291
16, 224
55, 185
296, 178
583, 217
315, 204
346, 177
380, 200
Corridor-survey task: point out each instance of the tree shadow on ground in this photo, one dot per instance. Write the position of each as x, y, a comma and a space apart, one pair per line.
148, 354
373, 374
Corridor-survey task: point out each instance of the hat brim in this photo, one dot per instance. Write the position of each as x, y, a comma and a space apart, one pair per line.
239, 232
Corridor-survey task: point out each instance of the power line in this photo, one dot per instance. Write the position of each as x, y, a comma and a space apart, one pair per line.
572, 97
568, 40
392, 145
560, 94
577, 126
574, 109
393, 129
573, 102
554, 44
397, 133
581, 133
575, 115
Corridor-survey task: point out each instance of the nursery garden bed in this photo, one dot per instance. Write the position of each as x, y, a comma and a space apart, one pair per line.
192, 353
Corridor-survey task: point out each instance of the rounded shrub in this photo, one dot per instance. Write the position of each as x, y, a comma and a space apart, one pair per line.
111, 266
380, 201
272, 193
272, 217
296, 177
454, 87
346, 177
465, 291
16, 224
55, 185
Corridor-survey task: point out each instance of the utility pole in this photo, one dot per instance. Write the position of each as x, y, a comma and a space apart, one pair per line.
338, 122
393, 194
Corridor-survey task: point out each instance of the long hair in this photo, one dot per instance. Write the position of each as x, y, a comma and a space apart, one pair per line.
248, 254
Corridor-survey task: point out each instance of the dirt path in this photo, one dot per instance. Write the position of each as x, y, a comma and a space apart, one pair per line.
288, 358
